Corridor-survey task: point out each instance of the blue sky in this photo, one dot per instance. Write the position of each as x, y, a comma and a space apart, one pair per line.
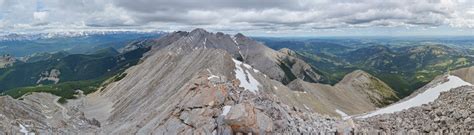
252, 17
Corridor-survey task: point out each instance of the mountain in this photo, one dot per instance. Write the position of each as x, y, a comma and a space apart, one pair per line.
200, 82
358, 92
276, 65
23, 45
67, 34
187, 88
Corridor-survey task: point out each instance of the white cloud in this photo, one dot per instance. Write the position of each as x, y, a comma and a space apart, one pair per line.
241, 15
40, 16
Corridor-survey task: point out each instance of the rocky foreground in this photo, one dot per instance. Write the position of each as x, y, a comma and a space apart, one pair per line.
452, 112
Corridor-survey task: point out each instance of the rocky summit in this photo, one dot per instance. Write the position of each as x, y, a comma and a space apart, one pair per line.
201, 82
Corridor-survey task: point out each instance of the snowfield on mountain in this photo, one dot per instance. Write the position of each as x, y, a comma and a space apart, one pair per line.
425, 97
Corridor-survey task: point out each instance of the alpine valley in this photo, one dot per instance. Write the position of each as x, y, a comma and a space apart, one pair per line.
200, 82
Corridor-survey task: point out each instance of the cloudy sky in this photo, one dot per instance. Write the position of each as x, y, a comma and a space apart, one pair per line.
254, 17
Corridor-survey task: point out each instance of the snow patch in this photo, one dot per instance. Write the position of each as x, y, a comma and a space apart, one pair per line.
423, 98
235, 41
307, 108
24, 130
256, 71
343, 114
225, 110
246, 79
247, 66
212, 75
250, 67
297, 92
238, 47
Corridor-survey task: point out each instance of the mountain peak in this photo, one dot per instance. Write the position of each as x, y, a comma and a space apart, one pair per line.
198, 31
357, 75
239, 35
380, 93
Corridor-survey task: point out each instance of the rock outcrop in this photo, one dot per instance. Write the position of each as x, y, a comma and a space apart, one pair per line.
52, 76
6, 60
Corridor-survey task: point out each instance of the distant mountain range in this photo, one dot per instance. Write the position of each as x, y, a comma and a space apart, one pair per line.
22, 45
68, 34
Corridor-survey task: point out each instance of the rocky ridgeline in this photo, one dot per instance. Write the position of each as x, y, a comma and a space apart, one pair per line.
452, 112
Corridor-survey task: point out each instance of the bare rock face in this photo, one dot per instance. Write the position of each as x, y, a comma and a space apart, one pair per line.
451, 113
276, 65
6, 61
52, 75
